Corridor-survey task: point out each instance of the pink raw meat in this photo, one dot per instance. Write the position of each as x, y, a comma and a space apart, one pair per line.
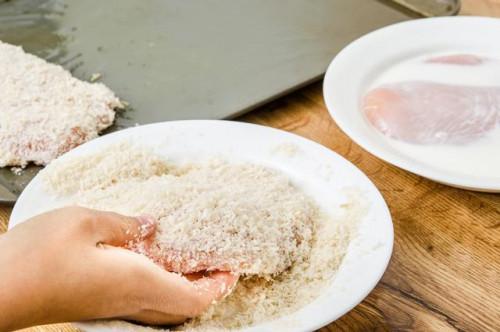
427, 113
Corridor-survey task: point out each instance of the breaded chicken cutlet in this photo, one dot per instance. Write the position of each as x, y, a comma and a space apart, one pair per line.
44, 111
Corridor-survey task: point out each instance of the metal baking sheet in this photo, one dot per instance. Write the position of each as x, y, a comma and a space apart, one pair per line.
192, 59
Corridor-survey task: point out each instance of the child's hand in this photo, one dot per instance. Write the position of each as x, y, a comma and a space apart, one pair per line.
67, 265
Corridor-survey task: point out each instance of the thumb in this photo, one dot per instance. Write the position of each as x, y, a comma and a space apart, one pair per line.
215, 286
120, 231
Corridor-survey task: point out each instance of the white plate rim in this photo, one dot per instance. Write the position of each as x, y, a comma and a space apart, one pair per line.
331, 81
385, 220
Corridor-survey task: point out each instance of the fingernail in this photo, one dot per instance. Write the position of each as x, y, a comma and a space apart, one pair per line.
148, 224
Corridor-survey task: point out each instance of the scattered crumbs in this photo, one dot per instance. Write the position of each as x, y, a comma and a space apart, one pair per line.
325, 171
286, 149
378, 245
17, 170
95, 76
352, 197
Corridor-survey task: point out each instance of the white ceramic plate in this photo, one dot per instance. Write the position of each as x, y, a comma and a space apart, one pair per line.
358, 65
317, 170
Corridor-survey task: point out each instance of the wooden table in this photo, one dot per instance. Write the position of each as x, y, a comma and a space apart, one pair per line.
444, 273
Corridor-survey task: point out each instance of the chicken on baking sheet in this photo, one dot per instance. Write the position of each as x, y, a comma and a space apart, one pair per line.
44, 111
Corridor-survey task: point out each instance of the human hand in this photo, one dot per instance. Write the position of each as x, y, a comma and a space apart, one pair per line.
70, 264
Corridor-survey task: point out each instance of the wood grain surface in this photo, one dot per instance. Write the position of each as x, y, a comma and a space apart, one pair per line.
445, 271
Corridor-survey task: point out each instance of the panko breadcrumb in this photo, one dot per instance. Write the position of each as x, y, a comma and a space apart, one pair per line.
252, 218
44, 111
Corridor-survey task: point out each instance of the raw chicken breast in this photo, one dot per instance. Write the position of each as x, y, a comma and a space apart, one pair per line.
427, 113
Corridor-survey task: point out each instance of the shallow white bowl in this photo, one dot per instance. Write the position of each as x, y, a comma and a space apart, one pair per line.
317, 170
358, 65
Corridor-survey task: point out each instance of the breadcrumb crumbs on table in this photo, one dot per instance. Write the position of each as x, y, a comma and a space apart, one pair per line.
94, 77
44, 111
17, 170
252, 217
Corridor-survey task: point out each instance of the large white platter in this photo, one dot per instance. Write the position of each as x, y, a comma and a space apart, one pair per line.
358, 65
320, 172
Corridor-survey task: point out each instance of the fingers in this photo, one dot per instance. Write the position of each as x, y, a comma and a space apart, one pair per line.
215, 286
189, 262
121, 230
155, 296
204, 289
118, 230
177, 296
158, 296
155, 318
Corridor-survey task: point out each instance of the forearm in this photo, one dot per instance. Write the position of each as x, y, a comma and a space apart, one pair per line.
20, 306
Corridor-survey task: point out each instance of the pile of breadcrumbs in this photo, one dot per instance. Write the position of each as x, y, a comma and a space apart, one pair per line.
216, 215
